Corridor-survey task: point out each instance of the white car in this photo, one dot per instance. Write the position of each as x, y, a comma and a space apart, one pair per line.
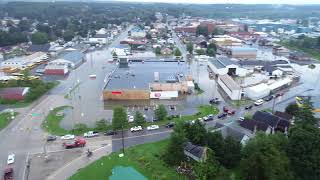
10, 159
259, 102
90, 134
67, 137
136, 128
241, 118
152, 127
130, 119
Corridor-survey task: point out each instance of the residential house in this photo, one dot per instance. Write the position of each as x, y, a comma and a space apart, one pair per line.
166, 51
236, 134
39, 48
197, 153
99, 39
280, 51
299, 56
255, 126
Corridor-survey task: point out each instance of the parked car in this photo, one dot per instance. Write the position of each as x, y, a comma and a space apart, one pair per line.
248, 107
172, 107
130, 119
268, 98
259, 102
152, 127
214, 101
170, 125
7, 174
228, 110
223, 115
146, 108
10, 158
51, 138
91, 134
67, 137
136, 128
110, 133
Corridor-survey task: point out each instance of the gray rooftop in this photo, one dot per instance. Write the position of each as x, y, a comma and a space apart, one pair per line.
73, 56
139, 75
222, 62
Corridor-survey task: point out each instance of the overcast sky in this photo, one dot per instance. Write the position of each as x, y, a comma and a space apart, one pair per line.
233, 1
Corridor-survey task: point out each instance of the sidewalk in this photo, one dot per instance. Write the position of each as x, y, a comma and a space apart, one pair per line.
72, 167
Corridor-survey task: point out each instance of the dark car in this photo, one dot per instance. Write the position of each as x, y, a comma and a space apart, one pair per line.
51, 138
110, 133
172, 107
223, 115
170, 125
248, 107
279, 94
268, 98
214, 101
146, 108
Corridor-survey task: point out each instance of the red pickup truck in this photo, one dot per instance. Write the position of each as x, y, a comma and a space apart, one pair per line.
8, 174
79, 142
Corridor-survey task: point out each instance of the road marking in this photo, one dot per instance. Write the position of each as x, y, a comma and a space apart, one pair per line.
25, 167
144, 135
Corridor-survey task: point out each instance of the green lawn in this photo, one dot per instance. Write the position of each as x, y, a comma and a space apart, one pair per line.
144, 158
5, 119
52, 122
241, 102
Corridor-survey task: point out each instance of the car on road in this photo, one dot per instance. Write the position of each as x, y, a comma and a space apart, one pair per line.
136, 128
67, 137
152, 127
10, 158
110, 133
79, 142
241, 119
268, 98
223, 115
172, 107
8, 174
92, 76
146, 108
228, 110
91, 134
170, 125
130, 119
259, 102
248, 107
51, 138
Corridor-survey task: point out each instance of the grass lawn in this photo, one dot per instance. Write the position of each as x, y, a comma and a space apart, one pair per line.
52, 122
241, 102
144, 158
5, 119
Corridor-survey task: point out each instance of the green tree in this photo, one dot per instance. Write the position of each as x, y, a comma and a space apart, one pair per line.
211, 52
212, 46
68, 35
80, 128
202, 30
210, 168
177, 52
102, 125
160, 113
174, 152
157, 50
200, 52
262, 159
119, 119
304, 151
306, 114
190, 48
292, 109
39, 38
139, 119
197, 133
216, 143
232, 152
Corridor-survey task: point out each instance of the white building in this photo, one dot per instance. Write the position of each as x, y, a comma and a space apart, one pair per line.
258, 91
138, 33
99, 39
230, 87
223, 65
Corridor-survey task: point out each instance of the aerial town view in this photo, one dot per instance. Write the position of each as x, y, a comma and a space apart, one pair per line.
159, 90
